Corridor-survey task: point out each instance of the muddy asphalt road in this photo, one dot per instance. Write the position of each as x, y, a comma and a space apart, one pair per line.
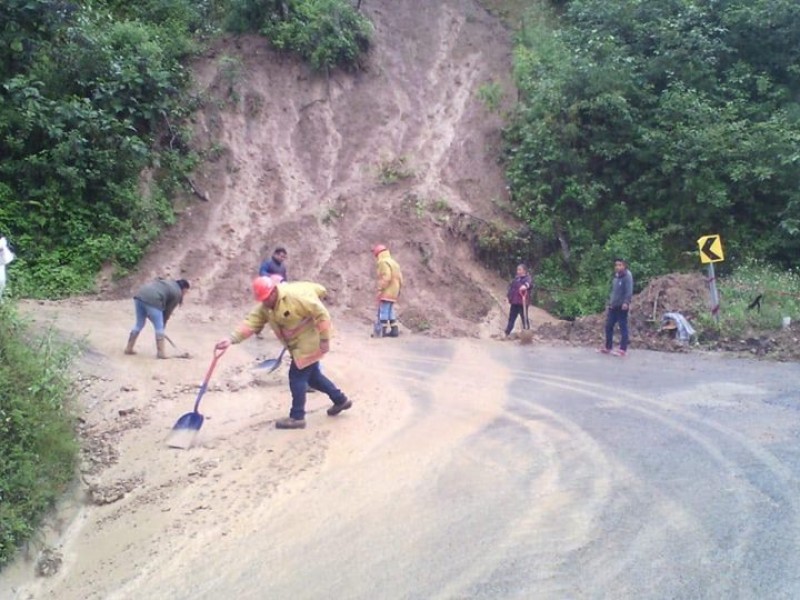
485, 470
544, 473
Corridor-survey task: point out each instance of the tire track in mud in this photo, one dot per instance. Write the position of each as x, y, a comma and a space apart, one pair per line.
717, 443
585, 479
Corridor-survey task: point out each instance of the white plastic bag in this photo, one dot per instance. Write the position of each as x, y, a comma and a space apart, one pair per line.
6, 256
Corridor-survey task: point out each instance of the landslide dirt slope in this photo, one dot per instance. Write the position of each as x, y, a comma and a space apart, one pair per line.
328, 166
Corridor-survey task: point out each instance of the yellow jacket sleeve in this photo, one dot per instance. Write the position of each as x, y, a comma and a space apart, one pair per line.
254, 322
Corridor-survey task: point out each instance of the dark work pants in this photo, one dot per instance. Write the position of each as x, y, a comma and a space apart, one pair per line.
617, 315
514, 311
299, 382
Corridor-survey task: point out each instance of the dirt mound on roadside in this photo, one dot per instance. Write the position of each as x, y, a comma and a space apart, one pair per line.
685, 293
688, 295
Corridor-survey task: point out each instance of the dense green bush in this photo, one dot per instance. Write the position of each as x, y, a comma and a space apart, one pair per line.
326, 33
38, 449
586, 290
669, 113
85, 102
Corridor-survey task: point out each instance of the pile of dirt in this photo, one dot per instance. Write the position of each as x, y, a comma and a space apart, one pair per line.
688, 295
683, 293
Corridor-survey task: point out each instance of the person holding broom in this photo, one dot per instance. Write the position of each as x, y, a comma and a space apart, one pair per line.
519, 298
301, 322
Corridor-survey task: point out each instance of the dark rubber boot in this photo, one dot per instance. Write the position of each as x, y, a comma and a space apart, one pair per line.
290, 423
395, 332
337, 408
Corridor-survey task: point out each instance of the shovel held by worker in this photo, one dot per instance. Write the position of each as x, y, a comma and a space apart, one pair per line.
272, 363
181, 353
377, 326
186, 428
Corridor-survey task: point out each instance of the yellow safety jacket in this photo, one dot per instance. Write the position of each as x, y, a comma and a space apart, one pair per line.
299, 320
390, 278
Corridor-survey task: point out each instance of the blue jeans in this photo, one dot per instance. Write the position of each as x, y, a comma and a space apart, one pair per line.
617, 315
299, 382
386, 311
145, 311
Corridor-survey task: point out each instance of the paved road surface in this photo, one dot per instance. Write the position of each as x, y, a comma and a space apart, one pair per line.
548, 473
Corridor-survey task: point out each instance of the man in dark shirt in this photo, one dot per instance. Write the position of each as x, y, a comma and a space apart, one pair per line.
275, 266
619, 303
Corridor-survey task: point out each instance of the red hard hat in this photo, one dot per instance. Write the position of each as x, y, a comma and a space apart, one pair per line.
263, 287
378, 248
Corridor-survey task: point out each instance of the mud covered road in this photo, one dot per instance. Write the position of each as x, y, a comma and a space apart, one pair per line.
466, 469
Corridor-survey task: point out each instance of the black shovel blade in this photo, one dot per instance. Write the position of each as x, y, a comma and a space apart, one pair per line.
184, 431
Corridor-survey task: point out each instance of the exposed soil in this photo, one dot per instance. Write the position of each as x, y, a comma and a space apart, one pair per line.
402, 153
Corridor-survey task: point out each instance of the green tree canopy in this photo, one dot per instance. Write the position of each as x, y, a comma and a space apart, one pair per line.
669, 112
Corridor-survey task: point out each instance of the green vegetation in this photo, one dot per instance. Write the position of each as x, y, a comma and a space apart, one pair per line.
326, 33
93, 103
643, 125
38, 450
88, 104
780, 297
491, 94
392, 170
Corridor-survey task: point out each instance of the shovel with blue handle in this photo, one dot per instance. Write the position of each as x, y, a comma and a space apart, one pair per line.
186, 428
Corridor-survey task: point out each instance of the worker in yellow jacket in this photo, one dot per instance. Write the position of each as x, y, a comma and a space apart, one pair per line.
390, 281
300, 320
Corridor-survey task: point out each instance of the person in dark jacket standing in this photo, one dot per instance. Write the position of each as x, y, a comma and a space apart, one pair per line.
156, 301
619, 303
275, 266
518, 299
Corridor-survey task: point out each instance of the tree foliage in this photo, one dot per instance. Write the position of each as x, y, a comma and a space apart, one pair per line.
86, 95
326, 33
680, 115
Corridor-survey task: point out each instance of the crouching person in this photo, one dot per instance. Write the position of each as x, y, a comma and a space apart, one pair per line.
156, 302
298, 318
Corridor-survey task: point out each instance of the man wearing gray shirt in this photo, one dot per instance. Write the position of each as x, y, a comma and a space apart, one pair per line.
618, 305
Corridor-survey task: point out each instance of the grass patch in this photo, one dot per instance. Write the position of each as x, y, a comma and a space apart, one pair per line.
780, 297
491, 94
391, 171
38, 445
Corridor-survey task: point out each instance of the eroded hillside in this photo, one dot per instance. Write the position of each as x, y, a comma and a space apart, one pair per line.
329, 165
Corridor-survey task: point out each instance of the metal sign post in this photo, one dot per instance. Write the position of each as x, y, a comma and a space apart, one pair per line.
712, 288
711, 252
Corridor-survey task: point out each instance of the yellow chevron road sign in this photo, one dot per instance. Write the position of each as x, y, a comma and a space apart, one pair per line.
710, 249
